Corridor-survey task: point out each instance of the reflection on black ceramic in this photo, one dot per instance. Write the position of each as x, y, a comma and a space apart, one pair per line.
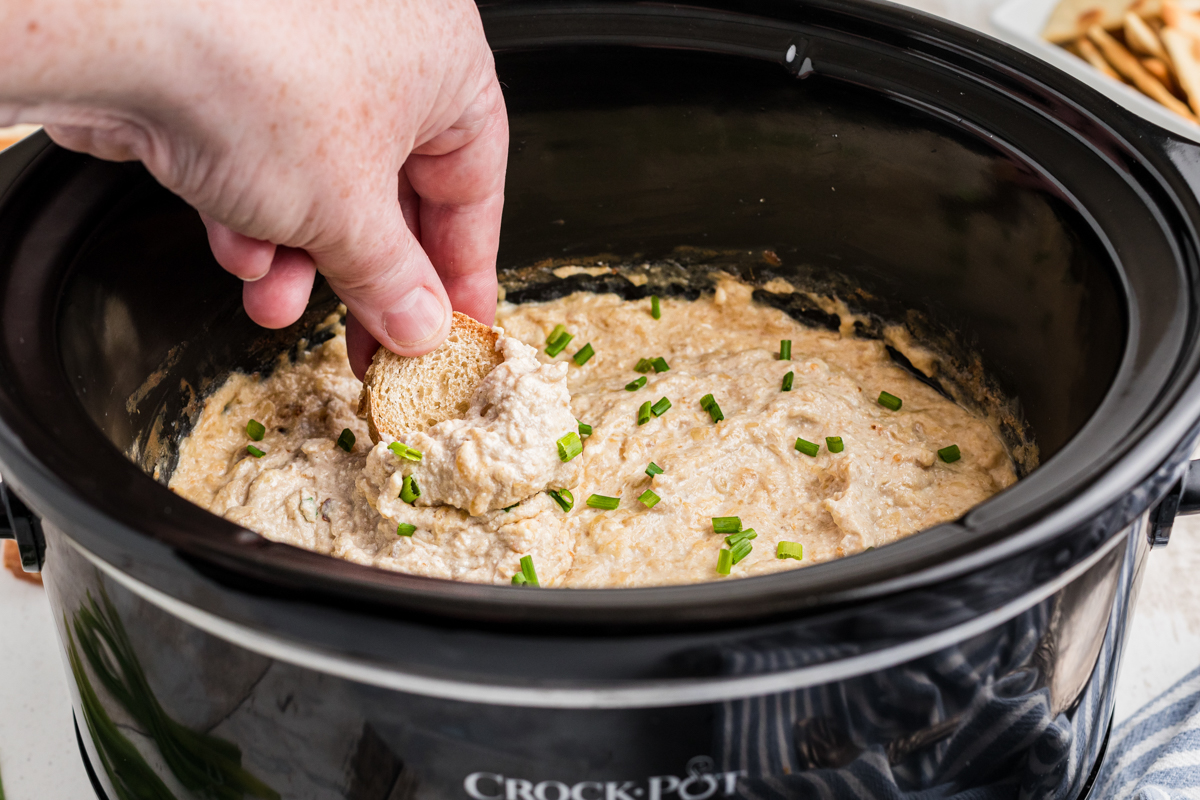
990, 716
206, 765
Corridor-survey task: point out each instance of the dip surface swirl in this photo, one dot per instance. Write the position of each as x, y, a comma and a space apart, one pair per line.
887, 483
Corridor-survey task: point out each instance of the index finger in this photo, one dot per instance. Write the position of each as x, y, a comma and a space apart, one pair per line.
459, 176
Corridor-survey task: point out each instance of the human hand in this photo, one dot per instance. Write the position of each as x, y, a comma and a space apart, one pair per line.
366, 140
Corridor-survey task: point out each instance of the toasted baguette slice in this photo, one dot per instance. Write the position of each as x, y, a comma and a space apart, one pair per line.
412, 394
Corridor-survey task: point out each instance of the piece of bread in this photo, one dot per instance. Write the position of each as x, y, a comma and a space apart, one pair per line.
412, 394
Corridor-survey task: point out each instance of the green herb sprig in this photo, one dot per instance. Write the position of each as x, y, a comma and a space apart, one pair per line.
410, 490
401, 450
950, 454
807, 447
789, 550
709, 404
564, 498
528, 575
584, 354
558, 340
569, 446
603, 503
726, 524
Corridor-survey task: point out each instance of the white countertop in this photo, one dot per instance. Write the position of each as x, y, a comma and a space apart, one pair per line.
39, 758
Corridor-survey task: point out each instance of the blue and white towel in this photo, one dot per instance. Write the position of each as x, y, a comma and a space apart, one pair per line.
1155, 754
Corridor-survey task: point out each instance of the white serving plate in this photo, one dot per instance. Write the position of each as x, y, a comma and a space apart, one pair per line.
1020, 22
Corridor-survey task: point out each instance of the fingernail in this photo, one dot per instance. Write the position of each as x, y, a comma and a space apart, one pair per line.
418, 316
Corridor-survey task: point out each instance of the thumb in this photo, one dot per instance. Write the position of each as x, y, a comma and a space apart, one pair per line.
389, 286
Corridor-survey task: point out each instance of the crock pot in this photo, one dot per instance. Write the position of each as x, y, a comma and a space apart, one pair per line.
943, 174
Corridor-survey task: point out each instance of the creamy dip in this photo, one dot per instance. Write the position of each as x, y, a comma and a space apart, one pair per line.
887, 482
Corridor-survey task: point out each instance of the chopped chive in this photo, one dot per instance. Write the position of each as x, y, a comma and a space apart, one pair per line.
581, 357
559, 342
649, 499
256, 430
740, 536
405, 529
565, 500
558, 331
633, 386
644, 413
528, 572
724, 562
584, 429
741, 550
660, 408
254, 451
950, 454
709, 404
890, 401
807, 447
401, 450
654, 469
643, 365
569, 446
518, 580
787, 382
655, 310
785, 350
510, 508
834, 443
789, 550
602, 502
410, 490
660, 364
726, 524
346, 440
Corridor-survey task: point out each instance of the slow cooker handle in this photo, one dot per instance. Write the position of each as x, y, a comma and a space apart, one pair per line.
22, 525
1182, 500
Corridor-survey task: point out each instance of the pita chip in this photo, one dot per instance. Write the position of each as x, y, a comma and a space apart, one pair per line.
1185, 54
1071, 19
1141, 38
1127, 64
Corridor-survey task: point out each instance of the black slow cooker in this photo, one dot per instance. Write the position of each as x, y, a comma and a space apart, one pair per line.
942, 175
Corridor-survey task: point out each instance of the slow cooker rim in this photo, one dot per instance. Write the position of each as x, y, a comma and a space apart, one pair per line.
1132, 473
580, 693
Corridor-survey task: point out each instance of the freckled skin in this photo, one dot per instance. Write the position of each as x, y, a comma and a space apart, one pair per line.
364, 139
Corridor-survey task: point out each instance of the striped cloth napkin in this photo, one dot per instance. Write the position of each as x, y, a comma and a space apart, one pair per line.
1155, 754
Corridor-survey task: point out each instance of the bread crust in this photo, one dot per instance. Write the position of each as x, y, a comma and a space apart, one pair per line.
412, 394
